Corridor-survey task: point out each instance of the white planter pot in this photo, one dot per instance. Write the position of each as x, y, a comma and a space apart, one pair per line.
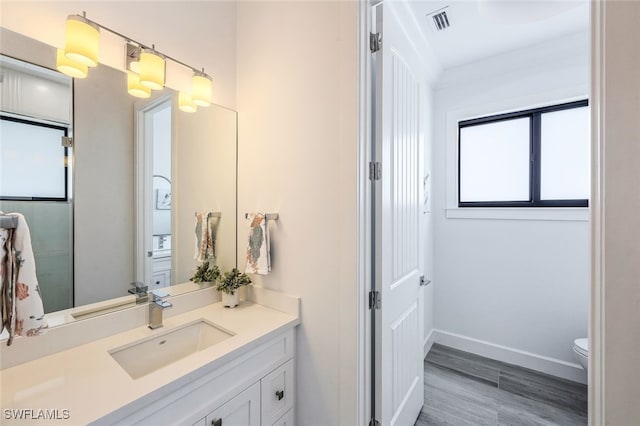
230, 300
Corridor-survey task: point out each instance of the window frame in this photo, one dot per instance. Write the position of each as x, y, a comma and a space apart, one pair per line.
65, 159
535, 143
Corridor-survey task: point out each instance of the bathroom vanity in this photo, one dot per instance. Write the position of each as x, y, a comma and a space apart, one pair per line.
207, 366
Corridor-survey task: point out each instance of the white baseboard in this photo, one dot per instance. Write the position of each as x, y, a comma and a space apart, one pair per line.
428, 342
552, 366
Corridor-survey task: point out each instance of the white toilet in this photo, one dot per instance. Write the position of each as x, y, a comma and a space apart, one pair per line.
581, 348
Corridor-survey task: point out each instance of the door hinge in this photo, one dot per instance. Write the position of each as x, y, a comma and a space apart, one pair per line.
375, 42
374, 300
67, 142
374, 422
375, 170
424, 281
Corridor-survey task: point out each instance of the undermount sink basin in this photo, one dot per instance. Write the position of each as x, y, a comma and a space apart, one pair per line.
145, 356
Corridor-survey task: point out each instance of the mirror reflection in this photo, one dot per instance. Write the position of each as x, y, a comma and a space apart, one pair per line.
117, 204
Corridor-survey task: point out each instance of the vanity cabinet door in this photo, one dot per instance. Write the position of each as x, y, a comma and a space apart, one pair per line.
286, 420
242, 410
277, 393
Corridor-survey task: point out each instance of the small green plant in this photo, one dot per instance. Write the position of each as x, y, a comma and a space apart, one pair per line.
206, 273
233, 280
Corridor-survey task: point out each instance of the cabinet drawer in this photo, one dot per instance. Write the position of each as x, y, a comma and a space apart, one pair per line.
242, 410
286, 420
160, 280
277, 393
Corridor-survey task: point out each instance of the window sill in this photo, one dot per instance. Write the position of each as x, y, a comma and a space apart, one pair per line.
578, 214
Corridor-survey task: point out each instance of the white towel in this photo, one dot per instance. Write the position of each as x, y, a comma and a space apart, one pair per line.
205, 237
258, 249
22, 309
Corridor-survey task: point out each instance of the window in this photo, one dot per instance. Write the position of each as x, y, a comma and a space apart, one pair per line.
33, 162
533, 158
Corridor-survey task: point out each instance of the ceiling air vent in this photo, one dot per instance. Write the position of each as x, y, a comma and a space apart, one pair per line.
439, 19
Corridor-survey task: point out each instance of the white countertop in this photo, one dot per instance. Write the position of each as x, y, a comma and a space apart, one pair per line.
90, 384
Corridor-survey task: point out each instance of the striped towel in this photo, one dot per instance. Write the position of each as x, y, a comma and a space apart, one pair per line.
258, 249
22, 308
205, 237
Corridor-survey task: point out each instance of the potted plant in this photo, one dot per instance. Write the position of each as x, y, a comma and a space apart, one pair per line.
206, 273
229, 284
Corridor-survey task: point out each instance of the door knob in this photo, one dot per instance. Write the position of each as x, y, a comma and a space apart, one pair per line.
280, 394
217, 422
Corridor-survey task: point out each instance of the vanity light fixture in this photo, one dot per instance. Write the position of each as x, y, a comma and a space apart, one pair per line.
70, 67
135, 88
132, 59
201, 89
152, 69
144, 65
185, 102
82, 40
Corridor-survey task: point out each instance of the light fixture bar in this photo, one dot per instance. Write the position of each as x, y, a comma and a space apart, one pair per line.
143, 46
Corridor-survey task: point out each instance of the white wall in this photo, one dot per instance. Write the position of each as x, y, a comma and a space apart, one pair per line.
297, 105
204, 179
103, 179
519, 284
619, 269
428, 235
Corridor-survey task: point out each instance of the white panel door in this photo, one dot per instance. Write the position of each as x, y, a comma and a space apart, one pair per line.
398, 138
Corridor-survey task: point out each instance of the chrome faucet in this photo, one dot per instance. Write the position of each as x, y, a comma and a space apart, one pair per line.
156, 306
140, 291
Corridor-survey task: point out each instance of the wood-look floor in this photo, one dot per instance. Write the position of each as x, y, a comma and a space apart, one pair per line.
463, 389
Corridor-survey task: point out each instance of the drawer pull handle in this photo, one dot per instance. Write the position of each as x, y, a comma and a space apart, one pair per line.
280, 394
217, 422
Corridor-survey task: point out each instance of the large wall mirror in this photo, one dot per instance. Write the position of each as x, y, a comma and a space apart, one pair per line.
127, 188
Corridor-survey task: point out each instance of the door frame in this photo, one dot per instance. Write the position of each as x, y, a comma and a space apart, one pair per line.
596, 375
143, 161
364, 324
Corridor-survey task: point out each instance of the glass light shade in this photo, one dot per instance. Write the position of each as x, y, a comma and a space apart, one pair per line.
83, 41
135, 88
152, 70
185, 103
134, 66
70, 67
201, 90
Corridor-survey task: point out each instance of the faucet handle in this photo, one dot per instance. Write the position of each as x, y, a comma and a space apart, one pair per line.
138, 287
158, 299
160, 295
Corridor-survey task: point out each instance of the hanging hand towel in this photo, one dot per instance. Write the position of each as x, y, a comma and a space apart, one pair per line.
258, 250
205, 237
22, 309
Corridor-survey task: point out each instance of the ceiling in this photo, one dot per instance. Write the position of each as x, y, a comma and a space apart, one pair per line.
483, 28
